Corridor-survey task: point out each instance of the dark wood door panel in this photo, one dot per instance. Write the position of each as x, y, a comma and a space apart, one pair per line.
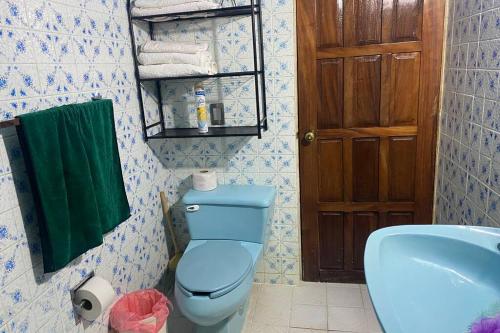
331, 87
365, 172
398, 218
402, 20
379, 90
391, 219
331, 170
329, 29
341, 276
364, 223
405, 77
401, 170
362, 91
331, 240
342, 239
400, 89
363, 22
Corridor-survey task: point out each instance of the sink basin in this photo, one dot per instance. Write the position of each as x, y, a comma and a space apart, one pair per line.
433, 278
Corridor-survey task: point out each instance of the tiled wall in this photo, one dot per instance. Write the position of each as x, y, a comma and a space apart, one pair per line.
273, 159
468, 187
52, 53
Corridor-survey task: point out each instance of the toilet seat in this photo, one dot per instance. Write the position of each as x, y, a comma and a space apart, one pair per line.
213, 269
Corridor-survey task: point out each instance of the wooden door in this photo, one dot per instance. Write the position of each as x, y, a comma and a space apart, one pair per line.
369, 78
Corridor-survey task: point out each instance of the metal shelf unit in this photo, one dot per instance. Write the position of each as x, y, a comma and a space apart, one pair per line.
254, 11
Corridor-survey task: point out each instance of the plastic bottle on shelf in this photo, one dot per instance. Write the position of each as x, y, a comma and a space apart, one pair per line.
201, 109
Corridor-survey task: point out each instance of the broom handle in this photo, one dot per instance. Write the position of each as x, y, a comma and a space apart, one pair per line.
168, 217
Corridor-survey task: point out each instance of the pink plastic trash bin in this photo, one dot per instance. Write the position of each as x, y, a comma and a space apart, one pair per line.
142, 311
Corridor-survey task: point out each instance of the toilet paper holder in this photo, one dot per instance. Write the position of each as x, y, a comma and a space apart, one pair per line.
84, 304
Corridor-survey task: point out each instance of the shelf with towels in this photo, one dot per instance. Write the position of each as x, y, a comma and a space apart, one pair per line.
257, 73
203, 77
199, 14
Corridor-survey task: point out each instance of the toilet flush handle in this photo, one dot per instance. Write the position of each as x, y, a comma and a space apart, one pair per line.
193, 208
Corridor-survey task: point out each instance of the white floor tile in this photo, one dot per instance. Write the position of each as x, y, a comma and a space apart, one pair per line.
273, 306
275, 294
260, 328
367, 302
347, 319
310, 293
272, 314
344, 296
309, 316
252, 302
373, 326
305, 330
255, 291
344, 285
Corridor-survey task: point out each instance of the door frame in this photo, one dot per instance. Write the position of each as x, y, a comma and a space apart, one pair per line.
308, 96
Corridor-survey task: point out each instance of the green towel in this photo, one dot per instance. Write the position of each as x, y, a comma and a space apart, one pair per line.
72, 159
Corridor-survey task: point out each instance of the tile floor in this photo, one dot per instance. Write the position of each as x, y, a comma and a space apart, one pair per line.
306, 308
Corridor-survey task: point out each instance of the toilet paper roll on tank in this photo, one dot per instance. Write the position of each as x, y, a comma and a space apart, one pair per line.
204, 180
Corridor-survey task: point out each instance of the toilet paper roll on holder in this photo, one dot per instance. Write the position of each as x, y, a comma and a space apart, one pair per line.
84, 304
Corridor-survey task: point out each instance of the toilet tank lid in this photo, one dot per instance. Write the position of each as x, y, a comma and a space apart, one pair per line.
234, 195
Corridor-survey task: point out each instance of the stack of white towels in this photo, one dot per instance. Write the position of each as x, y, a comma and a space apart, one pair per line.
159, 59
159, 7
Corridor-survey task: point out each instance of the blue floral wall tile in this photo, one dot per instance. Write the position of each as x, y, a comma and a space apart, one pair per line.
12, 13
469, 177
59, 52
15, 297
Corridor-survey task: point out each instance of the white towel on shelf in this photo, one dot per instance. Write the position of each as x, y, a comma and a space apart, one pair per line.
159, 3
181, 8
202, 59
172, 70
153, 46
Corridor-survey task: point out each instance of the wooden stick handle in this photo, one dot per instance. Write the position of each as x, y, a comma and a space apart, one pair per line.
168, 217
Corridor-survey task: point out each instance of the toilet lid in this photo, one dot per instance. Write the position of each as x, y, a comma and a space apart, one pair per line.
214, 268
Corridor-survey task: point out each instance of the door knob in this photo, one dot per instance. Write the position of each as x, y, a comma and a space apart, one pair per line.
309, 136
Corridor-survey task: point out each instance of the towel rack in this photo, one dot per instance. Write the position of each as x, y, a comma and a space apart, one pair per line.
15, 121
9, 123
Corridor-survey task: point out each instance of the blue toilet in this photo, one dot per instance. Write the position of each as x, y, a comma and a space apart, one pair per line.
229, 227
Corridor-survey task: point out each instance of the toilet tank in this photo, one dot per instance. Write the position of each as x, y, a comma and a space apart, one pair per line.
230, 212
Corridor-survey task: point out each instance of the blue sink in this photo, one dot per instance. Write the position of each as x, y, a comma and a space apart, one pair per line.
433, 279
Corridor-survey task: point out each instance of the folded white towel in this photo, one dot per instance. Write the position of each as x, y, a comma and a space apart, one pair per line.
201, 59
172, 70
153, 46
181, 8
159, 3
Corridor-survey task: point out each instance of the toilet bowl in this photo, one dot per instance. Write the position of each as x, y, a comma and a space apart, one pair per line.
229, 227
212, 296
